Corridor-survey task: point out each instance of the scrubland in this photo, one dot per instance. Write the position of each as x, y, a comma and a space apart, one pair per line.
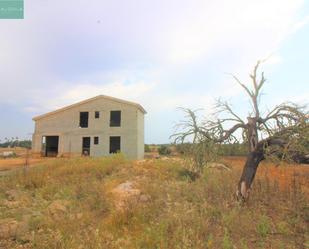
156, 203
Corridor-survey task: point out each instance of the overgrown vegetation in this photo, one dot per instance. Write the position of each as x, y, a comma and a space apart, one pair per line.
179, 212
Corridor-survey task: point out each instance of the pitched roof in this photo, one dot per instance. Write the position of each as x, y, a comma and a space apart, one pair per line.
89, 100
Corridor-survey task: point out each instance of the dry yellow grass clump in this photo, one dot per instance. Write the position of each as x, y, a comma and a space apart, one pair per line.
117, 203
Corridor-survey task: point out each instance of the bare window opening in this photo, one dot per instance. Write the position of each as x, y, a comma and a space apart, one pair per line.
86, 146
114, 145
96, 140
115, 119
83, 119
97, 114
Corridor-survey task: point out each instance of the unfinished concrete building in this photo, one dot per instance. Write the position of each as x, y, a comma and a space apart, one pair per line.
99, 126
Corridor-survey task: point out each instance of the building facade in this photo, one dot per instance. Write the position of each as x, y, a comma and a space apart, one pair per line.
99, 126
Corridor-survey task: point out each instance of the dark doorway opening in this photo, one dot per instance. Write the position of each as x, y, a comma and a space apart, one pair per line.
86, 146
114, 144
51, 146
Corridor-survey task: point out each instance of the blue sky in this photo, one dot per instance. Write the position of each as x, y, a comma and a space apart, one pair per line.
161, 54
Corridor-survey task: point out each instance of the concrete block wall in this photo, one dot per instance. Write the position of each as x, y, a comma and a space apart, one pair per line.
65, 124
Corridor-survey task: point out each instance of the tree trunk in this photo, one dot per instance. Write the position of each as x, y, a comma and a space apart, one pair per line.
252, 134
253, 160
254, 157
248, 173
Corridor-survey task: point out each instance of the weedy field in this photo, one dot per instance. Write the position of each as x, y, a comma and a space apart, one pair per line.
117, 203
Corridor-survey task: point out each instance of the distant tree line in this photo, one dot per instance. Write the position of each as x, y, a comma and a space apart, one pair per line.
15, 142
236, 149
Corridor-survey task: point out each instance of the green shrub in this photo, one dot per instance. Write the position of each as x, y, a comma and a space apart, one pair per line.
263, 227
164, 150
147, 148
227, 243
243, 244
283, 228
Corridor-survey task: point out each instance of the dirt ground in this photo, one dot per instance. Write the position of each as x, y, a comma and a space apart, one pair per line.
13, 163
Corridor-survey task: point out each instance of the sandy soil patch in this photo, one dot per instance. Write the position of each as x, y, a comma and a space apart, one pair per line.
12, 163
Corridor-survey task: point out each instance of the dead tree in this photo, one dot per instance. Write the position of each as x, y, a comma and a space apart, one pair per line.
284, 129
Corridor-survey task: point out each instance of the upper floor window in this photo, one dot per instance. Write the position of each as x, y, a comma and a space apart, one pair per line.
115, 119
96, 114
83, 119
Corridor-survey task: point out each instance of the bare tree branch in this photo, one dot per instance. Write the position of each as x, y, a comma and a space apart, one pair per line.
284, 129
225, 134
224, 107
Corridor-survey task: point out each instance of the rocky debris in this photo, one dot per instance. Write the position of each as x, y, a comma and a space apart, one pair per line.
13, 195
127, 192
11, 204
12, 229
16, 199
218, 166
58, 208
23, 228
6, 154
127, 188
77, 216
144, 198
142, 161
161, 158
35, 213
8, 228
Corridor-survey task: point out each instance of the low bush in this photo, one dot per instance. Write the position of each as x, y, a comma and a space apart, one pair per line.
164, 150
147, 148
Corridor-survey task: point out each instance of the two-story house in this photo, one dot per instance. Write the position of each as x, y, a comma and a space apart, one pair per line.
98, 126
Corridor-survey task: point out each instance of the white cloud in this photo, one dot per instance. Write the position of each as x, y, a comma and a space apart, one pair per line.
84, 91
152, 52
300, 24
273, 60
256, 26
186, 32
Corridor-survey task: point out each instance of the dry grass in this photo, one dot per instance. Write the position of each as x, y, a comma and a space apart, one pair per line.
180, 213
282, 174
17, 150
